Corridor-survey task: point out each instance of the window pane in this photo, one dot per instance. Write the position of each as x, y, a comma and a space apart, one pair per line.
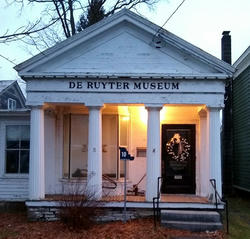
79, 142
124, 122
24, 161
12, 161
25, 137
12, 136
109, 145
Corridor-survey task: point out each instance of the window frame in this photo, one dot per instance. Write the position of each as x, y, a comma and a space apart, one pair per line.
11, 102
67, 154
3, 131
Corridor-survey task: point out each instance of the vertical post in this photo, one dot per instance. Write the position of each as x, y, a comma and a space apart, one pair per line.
125, 190
95, 152
204, 160
214, 143
36, 171
153, 151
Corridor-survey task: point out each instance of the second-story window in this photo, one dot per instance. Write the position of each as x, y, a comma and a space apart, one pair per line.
11, 104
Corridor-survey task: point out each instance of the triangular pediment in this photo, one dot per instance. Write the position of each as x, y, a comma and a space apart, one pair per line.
127, 47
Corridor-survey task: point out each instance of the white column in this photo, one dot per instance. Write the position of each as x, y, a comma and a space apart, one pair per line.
36, 171
204, 159
95, 152
153, 152
214, 143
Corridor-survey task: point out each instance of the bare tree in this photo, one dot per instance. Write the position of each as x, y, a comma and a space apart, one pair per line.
61, 15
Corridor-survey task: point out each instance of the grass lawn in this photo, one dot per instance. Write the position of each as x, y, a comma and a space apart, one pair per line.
239, 217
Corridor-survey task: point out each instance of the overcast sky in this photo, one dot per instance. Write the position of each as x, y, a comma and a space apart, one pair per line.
200, 22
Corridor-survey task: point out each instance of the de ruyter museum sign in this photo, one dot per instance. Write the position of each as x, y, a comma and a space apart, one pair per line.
123, 85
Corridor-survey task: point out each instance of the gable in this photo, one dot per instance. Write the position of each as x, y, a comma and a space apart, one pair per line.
12, 91
124, 52
125, 47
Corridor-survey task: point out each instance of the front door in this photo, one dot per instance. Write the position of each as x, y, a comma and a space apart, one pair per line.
178, 158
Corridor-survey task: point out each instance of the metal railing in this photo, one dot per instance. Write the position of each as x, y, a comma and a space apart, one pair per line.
217, 199
110, 180
156, 201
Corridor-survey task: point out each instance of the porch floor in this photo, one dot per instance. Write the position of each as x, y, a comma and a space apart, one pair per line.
168, 201
165, 198
168, 198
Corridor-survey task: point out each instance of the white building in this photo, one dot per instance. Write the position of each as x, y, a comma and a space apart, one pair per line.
122, 82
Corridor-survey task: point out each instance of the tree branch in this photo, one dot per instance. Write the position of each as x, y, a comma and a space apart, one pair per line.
28, 30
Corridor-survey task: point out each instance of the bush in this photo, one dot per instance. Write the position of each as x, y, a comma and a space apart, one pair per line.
78, 207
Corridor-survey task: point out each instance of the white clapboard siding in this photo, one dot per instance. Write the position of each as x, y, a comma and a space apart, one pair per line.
14, 189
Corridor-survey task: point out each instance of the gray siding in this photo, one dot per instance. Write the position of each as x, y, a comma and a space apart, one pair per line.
241, 130
12, 187
15, 189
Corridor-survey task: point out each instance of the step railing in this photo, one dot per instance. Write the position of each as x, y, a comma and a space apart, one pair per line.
110, 180
156, 201
219, 199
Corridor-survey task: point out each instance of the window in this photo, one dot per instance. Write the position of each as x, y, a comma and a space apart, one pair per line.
17, 149
75, 134
75, 158
124, 122
11, 104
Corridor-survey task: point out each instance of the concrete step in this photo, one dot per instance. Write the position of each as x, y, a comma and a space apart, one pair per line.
191, 220
187, 215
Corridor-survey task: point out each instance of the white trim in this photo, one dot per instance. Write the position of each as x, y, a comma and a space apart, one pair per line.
3, 125
242, 57
107, 75
242, 63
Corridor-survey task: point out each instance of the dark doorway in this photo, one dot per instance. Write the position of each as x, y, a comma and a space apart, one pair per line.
178, 158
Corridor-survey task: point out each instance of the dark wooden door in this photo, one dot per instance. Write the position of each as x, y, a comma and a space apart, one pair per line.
178, 158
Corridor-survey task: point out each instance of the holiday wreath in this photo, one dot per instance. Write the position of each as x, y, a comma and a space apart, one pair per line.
178, 148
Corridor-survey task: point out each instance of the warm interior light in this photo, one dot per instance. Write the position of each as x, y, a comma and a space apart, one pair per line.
125, 118
163, 114
143, 115
123, 110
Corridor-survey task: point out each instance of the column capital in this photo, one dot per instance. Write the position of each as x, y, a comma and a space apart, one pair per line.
89, 105
95, 107
202, 113
38, 107
153, 106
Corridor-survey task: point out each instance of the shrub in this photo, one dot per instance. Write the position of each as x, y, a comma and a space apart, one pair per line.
78, 207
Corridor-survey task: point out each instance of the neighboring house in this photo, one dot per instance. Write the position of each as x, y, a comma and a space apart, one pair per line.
120, 83
14, 142
241, 123
11, 96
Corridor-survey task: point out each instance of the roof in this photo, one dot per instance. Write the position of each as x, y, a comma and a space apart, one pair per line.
242, 62
24, 69
5, 84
